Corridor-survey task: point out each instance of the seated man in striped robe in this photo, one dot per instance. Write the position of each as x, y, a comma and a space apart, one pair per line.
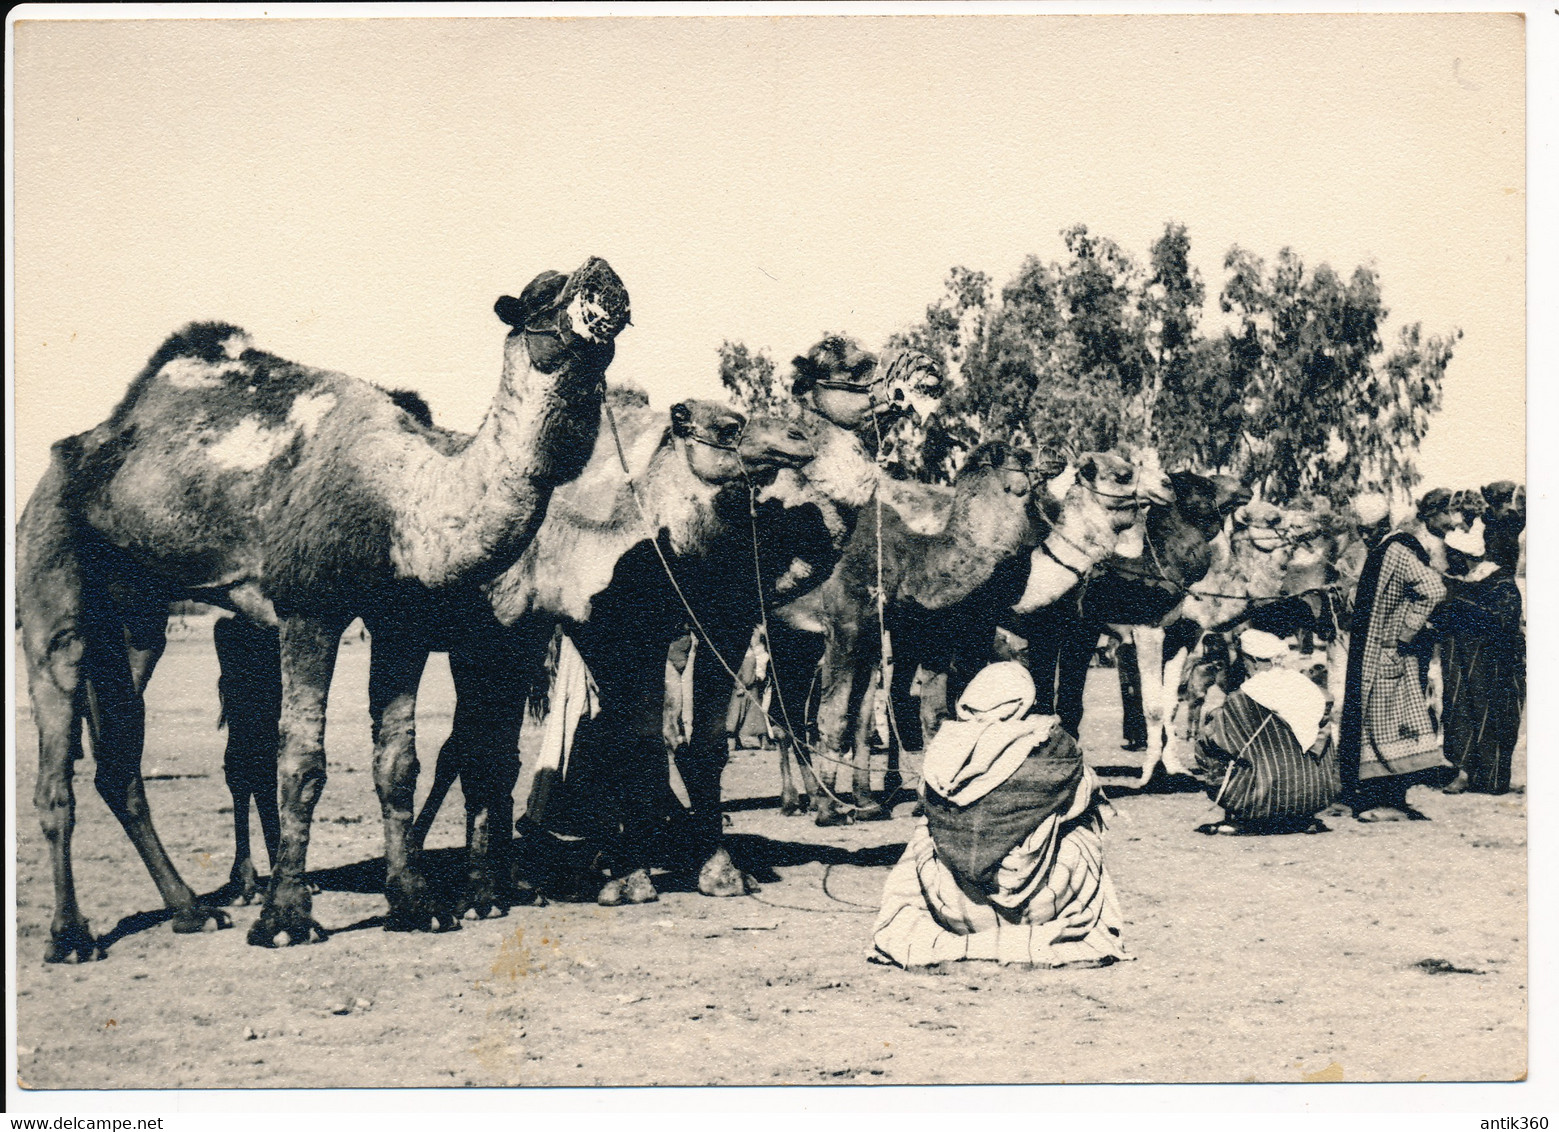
1008, 862
1266, 755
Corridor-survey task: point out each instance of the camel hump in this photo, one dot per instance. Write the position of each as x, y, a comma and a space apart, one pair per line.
207, 341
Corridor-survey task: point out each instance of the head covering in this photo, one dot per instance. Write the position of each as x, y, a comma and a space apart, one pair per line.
1371, 508
1293, 697
972, 755
1262, 646
1466, 542
1434, 502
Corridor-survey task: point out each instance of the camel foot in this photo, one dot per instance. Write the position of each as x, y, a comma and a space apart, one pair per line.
1382, 813
243, 885
795, 804
188, 921
72, 941
285, 921
721, 877
830, 812
635, 888
412, 909
872, 810
482, 901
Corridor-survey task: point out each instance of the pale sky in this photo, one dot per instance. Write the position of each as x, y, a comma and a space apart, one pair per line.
356, 194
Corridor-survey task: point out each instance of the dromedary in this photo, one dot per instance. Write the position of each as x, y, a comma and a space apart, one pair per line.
298, 497
688, 480
1141, 596
623, 598
849, 400
249, 687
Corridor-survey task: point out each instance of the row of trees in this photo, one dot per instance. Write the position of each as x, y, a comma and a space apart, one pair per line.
1293, 390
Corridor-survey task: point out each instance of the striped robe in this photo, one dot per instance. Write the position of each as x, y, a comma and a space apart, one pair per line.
1254, 768
1051, 902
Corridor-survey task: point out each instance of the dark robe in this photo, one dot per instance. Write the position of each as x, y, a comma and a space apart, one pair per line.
1483, 651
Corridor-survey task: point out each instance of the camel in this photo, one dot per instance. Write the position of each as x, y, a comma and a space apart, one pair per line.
943, 595
1289, 572
300, 498
849, 399
1141, 599
594, 570
689, 471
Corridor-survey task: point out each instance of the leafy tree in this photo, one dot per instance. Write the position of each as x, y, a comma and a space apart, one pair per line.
1318, 413
754, 384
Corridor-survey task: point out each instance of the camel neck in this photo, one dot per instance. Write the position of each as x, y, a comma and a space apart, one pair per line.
842, 470
690, 511
467, 516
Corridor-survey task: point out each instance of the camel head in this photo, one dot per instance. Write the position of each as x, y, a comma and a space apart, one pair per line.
562, 336
709, 436
569, 319
1262, 525
1109, 494
853, 389
906, 384
770, 443
1204, 502
833, 380
995, 497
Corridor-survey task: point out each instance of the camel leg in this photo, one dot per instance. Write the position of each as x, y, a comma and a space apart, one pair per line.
489, 711
1076, 644
867, 807
54, 678
704, 764
119, 662
1149, 642
308, 658
1174, 755
395, 670
445, 771
934, 705
793, 659
1337, 680
249, 658
842, 693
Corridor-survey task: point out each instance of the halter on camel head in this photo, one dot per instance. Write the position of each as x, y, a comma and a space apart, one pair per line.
902, 383
559, 313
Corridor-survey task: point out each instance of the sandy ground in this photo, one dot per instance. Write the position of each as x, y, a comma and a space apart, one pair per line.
1279, 959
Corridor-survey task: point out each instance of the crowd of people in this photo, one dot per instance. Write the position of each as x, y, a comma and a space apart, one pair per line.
1007, 862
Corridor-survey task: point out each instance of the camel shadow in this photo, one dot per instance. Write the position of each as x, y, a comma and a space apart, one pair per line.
761, 856
1121, 782
134, 924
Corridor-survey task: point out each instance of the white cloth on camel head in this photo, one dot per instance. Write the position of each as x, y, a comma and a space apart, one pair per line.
972, 755
1259, 645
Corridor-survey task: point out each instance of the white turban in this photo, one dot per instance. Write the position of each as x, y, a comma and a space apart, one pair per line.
1371, 508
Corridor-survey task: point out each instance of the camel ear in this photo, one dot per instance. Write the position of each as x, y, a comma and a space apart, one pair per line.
511, 310
805, 378
681, 420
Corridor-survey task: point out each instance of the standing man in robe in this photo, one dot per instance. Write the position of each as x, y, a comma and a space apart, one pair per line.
1388, 741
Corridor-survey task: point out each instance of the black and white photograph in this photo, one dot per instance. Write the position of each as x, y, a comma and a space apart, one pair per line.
786, 546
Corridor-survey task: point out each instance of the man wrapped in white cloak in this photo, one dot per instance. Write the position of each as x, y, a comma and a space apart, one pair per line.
1008, 862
